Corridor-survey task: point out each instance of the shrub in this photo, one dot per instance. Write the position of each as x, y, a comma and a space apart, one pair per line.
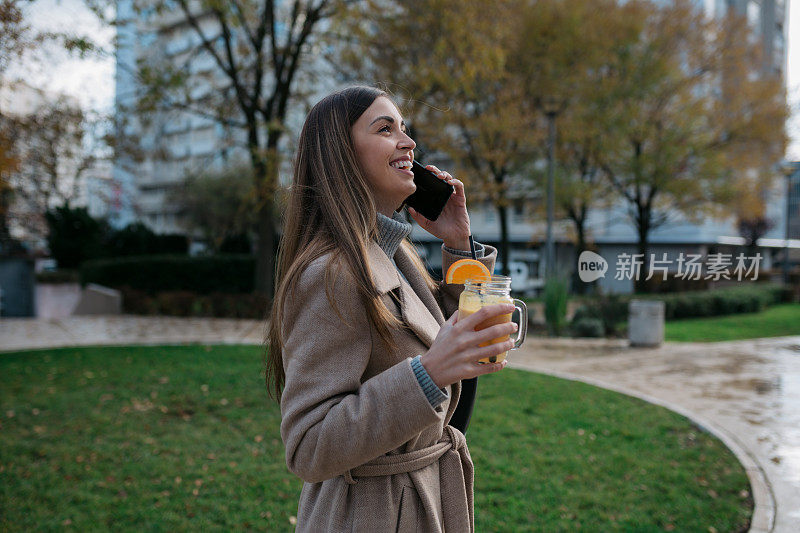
74, 236
58, 276
137, 239
587, 327
555, 304
612, 309
154, 274
236, 244
719, 302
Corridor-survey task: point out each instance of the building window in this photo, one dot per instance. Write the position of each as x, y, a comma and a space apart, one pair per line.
754, 17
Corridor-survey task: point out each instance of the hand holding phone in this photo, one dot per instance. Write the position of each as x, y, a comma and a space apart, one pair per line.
432, 193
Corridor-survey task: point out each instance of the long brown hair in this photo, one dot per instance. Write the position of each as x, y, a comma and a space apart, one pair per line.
330, 210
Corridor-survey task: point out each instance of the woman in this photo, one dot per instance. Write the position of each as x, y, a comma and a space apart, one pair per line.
370, 370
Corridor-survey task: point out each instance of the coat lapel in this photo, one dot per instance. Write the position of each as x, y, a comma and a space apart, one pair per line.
418, 287
418, 307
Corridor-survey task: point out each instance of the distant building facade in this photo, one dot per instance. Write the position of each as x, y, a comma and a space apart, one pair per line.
768, 20
792, 216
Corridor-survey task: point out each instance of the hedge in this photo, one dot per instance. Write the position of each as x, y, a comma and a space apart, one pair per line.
189, 304
159, 273
613, 309
58, 276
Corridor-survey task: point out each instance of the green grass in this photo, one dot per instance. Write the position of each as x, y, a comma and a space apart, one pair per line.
184, 438
775, 321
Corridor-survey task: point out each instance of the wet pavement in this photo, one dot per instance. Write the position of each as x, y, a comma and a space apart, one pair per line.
746, 392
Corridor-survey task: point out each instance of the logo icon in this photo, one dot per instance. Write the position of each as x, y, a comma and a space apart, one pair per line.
591, 266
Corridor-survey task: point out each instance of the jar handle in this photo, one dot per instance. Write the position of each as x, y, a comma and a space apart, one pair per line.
523, 323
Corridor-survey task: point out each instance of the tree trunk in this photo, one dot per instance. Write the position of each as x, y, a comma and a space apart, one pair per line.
643, 229
504, 254
266, 172
5, 202
578, 286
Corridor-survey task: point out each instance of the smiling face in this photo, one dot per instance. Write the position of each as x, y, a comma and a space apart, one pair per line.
385, 153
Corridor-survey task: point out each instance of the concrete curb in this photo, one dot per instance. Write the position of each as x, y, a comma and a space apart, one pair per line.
764, 508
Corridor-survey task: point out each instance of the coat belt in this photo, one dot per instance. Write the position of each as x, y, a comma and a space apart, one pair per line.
455, 475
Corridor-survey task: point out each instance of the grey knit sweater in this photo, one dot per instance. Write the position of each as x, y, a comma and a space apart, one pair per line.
391, 232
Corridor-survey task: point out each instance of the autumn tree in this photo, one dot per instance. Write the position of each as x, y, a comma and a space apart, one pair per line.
218, 204
565, 56
54, 146
15, 38
35, 147
8, 166
448, 63
752, 229
246, 63
16, 35
689, 121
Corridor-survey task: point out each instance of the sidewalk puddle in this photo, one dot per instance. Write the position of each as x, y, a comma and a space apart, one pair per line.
759, 385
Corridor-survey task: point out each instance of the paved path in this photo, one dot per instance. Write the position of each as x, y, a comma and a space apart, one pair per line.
24, 334
747, 392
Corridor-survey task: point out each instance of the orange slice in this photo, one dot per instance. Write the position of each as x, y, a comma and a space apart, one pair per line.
467, 269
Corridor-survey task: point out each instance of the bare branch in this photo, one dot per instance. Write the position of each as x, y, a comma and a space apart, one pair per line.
207, 44
241, 93
237, 7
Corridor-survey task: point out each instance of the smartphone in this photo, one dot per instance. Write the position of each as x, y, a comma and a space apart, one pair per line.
432, 193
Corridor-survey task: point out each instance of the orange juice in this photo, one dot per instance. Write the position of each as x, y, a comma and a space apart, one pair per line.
471, 302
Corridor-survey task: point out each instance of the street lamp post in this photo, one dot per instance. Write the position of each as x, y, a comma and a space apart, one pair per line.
551, 148
788, 169
551, 105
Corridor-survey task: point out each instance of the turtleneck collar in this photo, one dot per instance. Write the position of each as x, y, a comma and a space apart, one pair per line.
391, 232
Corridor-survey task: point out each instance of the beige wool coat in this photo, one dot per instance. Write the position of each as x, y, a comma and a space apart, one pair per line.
357, 427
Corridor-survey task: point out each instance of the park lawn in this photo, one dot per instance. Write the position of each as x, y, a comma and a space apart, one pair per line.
184, 438
774, 321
